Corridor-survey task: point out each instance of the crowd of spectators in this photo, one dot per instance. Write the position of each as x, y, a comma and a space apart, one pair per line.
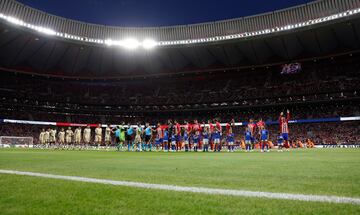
321, 81
323, 89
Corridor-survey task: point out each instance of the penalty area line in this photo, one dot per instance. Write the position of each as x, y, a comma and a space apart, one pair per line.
212, 191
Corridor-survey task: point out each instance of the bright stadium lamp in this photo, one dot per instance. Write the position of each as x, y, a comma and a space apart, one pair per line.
14, 20
130, 43
47, 31
149, 44
111, 42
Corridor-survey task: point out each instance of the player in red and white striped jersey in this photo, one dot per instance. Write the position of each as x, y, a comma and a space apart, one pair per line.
211, 134
284, 127
178, 135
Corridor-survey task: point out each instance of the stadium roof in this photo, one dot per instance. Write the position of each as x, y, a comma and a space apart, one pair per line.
36, 42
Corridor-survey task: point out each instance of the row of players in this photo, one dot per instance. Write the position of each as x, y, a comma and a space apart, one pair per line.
51, 137
172, 136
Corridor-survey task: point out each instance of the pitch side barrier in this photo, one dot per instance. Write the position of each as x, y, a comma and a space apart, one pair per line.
66, 124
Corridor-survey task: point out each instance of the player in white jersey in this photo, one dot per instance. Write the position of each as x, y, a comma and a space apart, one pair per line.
41, 142
87, 135
77, 137
52, 138
98, 136
138, 139
61, 137
47, 137
41, 138
108, 136
69, 137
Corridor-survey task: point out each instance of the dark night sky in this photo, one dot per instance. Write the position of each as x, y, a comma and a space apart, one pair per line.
157, 12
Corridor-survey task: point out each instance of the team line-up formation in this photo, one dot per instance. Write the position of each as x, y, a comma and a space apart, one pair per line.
170, 137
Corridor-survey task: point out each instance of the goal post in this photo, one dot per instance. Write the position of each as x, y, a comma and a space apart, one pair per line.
13, 141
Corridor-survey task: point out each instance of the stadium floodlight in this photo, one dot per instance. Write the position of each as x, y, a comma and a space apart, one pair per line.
130, 43
149, 44
14, 20
47, 31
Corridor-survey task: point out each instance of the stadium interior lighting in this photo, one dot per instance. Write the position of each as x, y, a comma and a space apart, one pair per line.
130, 43
109, 42
47, 31
149, 44
14, 20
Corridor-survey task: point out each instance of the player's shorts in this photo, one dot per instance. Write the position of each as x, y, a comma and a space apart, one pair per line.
52, 139
252, 140
285, 136
137, 139
206, 141
196, 143
97, 138
122, 138
68, 140
128, 137
173, 142
158, 141
248, 142
264, 140
217, 140
107, 138
147, 138
280, 143
186, 142
86, 140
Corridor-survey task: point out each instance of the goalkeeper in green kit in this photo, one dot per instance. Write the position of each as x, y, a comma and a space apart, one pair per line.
120, 137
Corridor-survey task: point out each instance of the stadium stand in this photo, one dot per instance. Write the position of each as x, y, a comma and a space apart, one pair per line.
67, 71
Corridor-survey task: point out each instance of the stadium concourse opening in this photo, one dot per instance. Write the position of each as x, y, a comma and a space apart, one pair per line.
264, 109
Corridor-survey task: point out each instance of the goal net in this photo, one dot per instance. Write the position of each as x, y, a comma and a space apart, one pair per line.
10, 141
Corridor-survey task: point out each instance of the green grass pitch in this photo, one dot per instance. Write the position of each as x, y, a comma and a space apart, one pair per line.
311, 171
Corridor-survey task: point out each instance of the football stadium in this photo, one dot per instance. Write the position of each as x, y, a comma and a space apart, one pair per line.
256, 114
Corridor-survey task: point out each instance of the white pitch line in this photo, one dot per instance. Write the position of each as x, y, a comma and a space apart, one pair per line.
244, 193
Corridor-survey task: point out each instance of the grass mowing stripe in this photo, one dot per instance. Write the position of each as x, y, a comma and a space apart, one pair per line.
288, 196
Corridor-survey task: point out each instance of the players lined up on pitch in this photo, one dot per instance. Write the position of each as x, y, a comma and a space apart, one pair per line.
50, 138
170, 137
